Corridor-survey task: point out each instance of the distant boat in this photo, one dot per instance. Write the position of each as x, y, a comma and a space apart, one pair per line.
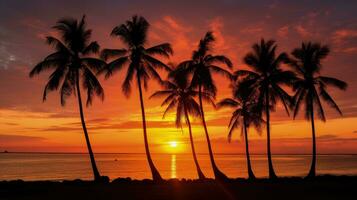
5, 151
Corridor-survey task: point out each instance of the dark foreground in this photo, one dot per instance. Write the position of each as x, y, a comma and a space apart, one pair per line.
323, 187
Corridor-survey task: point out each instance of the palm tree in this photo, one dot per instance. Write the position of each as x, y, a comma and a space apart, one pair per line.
71, 67
311, 88
201, 66
141, 63
265, 80
180, 95
244, 115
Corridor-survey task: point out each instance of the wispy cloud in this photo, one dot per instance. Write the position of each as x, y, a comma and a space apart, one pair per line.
10, 138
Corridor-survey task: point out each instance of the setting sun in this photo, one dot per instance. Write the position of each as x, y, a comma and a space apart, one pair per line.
173, 144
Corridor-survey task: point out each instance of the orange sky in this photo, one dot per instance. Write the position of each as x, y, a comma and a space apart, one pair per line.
27, 124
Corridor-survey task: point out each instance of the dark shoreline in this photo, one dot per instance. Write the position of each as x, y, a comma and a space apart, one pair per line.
322, 187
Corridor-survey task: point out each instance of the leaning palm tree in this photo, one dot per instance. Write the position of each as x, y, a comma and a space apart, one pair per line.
310, 87
201, 66
180, 95
72, 68
244, 115
265, 81
141, 63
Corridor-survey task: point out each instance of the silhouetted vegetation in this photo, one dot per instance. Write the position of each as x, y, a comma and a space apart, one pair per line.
265, 81
72, 67
201, 67
310, 87
141, 65
180, 94
255, 92
245, 114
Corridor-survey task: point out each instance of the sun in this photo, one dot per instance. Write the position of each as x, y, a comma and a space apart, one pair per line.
173, 144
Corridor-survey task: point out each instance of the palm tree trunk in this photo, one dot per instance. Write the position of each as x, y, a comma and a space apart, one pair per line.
155, 173
250, 171
312, 172
217, 173
91, 155
272, 174
199, 171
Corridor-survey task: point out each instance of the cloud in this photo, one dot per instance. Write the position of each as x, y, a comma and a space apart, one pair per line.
6, 57
302, 31
283, 31
9, 138
345, 40
97, 125
171, 29
11, 124
252, 30
343, 34
216, 25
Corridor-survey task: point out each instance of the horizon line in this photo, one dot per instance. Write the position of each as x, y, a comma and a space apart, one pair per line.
279, 154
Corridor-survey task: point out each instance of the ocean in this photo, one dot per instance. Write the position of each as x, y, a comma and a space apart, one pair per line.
58, 166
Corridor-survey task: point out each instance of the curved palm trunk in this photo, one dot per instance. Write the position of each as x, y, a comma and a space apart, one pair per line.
217, 173
250, 171
312, 172
155, 173
272, 174
199, 171
91, 155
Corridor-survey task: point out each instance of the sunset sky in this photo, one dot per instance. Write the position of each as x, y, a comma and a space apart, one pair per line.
28, 124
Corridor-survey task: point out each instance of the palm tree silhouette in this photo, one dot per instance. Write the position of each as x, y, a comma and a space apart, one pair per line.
141, 63
310, 86
180, 95
201, 66
71, 65
245, 114
265, 80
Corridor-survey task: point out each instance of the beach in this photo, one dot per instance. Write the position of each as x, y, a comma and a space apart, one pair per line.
322, 187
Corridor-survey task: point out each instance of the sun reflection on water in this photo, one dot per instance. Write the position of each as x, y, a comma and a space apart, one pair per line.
173, 166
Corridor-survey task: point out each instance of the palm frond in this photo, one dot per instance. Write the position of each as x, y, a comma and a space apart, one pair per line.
171, 106
317, 101
110, 53
245, 73
227, 102
218, 59
54, 81
67, 87
161, 49
333, 82
223, 72
161, 93
46, 65
93, 47
327, 98
156, 63
126, 86
92, 85
57, 44
115, 65
94, 64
